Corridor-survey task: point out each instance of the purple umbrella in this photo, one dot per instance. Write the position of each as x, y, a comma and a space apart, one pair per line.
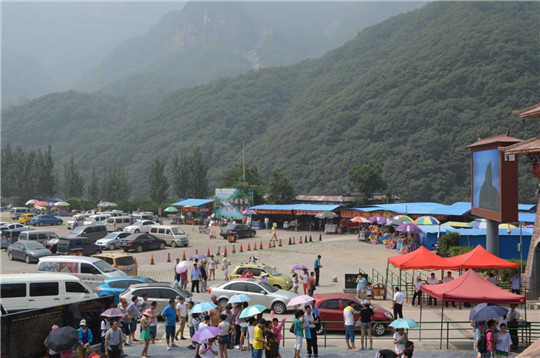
410, 228
206, 333
379, 220
113, 312
199, 256
300, 267
249, 212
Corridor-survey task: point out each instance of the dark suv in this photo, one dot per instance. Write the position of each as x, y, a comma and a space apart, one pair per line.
76, 245
93, 232
238, 230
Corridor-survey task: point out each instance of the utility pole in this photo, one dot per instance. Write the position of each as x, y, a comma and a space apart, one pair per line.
243, 165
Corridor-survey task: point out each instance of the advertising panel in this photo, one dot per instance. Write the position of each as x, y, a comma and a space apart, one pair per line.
230, 203
486, 180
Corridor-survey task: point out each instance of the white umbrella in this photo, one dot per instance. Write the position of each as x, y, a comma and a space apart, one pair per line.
300, 300
182, 266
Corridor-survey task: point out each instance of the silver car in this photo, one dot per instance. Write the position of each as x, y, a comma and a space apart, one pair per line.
260, 293
139, 226
28, 251
112, 240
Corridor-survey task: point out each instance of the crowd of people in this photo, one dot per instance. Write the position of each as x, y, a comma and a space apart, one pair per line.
387, 236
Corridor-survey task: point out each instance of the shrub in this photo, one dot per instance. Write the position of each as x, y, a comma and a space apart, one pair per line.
458, 250
446, 241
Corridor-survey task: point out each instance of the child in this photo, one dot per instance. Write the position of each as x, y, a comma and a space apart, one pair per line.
271, 343
276, 327
250, 329
295, 282
490, 338
369, 291
503, 342
208, 349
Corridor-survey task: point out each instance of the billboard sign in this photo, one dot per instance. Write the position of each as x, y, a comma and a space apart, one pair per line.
230, 203
486, 180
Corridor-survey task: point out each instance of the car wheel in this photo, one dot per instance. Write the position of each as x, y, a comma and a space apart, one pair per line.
97, 252
112, 247
10, 256
161, 246
223, 302
58, 222
41, 223
139, 248
173, 244
378, 329
277, 286
279, 308
126, 250
27, 259
137, 231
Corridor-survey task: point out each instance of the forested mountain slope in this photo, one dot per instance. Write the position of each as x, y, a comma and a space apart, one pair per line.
412, 91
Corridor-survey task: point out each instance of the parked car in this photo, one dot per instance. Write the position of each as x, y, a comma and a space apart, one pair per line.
140, 242
51, 244
260, 293
139, 226
76, 220
14, 226
76, 245
26, 218
276, 279
112, 240
123, 262
11, 236
28, 251
239, 230
161, 292
115, 286
45, 219
41, 236
96, 219
173, 235
331, 307
93, 232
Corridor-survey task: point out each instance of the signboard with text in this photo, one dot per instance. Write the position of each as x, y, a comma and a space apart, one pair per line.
230, 203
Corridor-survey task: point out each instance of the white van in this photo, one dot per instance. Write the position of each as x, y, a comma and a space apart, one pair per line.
96, 219
78, 218
173, 235
118, 223
33, 291
147, 215
18, 211
41, 236
90, 270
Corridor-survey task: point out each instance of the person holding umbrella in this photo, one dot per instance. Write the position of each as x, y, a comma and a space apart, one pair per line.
85, 339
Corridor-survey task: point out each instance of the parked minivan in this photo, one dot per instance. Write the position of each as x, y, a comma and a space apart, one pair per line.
93, 232
173, 235
42, 236
123, 262
144, 216
76, 245
38, 290
118, 223
18, 211
78, 219
96, 219
90, 270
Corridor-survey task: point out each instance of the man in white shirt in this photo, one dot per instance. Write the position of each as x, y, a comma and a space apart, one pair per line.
448, 278
432, 281
417, 291
181, 313
348, 317
397, 303
513, 317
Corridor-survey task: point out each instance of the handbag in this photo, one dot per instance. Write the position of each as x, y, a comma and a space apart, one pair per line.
291, 328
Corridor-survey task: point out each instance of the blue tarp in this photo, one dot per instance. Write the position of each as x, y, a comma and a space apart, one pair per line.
526, 207
459, 208
193, 202
312, 207
527, 217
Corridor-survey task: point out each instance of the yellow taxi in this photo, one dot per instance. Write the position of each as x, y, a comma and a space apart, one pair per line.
276, 279
123, 262
25, 218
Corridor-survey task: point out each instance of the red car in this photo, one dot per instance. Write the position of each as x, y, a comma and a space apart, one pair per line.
331, 307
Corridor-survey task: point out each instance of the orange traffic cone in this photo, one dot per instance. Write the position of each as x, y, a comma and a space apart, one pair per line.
241, 248
270, 244
293, 242
168, 257
279, 243
233, 250
208, 252
255, 247
274, 243
249, 247
261, 246
184, 255
300, 240
152, 260
225, 250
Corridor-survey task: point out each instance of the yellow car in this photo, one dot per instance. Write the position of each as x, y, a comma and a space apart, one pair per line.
123, 262
276, 279
25, 218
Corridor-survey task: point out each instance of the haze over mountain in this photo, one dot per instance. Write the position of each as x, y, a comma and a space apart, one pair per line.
411, 91
47, 46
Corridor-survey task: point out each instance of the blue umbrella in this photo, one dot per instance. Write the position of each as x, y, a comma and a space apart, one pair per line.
489, 312
203, 307
239, 298
406, 323
252, 311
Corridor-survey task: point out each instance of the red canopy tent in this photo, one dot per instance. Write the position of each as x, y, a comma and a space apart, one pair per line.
422, 259
479, 258
469, 287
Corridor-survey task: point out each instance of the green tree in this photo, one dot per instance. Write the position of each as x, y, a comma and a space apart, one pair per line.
233, 178
199, 175
366, 178
280, 189
73, 181
158, 185
8, 177
44, 173
93, 186
180, 173
115, 185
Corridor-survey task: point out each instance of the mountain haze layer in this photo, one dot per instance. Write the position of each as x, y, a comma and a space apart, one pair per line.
412, 91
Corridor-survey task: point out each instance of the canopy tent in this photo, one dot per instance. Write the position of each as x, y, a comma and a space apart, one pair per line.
479, 258
422, 259
469, 287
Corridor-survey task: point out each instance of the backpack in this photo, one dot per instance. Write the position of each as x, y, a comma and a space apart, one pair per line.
482, 342
291, 328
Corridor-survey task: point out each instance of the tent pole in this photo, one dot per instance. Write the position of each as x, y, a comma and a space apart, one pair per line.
386, 280
400, 286
442, 314
420, 333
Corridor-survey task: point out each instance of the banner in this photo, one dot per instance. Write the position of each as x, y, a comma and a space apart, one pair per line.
231, 202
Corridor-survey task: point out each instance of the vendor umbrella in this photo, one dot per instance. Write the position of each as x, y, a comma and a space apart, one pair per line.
403, 217
31, 202
396, 222
239, 298
171, 209
199, 256
62, 339
206, 333
507, 226
326, 215
203, 307
489, 312
410, 228
360, 219
61, 203
379, 220
300, 300
113, 312
249, 212
183, 266
252, 310
427, 220
41, 203
478, 224
300, 267
406, 323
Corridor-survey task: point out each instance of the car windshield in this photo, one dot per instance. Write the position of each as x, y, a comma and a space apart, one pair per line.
183, 292
112, 235
267, 287
177, 231
103, 266
272, 271
32, 245
78, 230
230, 227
